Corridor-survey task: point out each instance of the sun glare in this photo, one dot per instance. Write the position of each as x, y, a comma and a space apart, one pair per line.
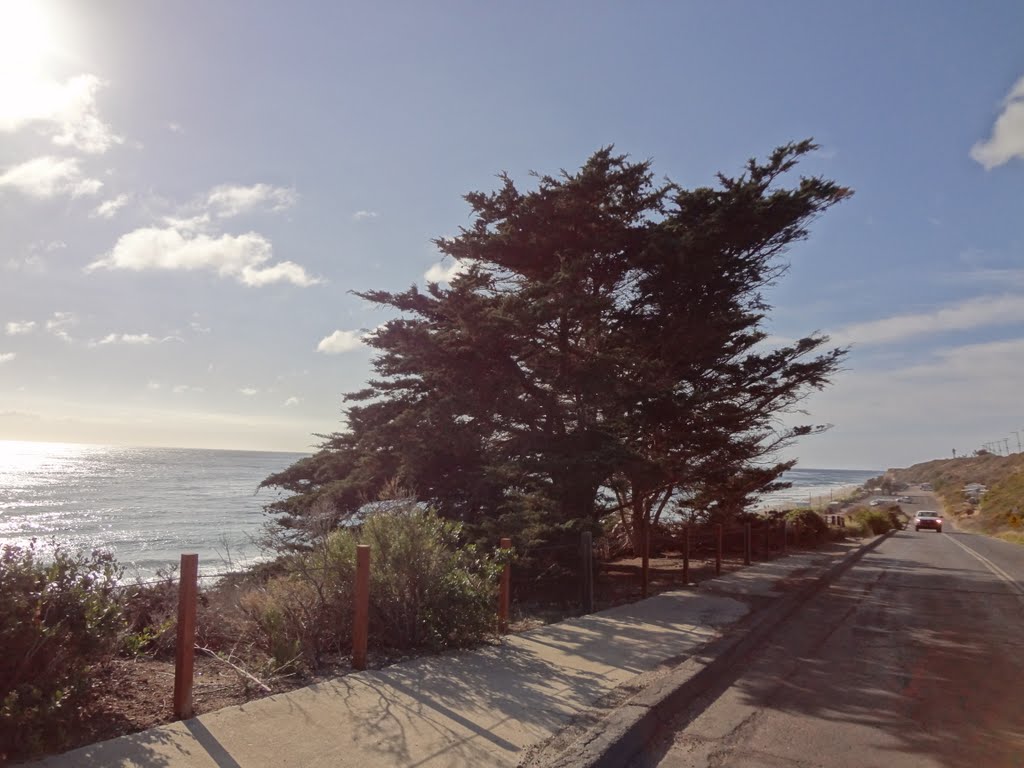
27, 37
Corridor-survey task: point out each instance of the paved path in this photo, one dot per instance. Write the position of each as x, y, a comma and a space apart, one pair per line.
915, 657
479, 708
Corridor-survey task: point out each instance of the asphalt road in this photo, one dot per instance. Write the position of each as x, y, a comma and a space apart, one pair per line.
914, 657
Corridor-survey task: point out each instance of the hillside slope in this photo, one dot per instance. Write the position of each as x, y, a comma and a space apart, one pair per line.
1000, 511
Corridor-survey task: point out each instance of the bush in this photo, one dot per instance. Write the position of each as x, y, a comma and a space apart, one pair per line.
58, 619
427, 590
810, 523
868, 521
151, 615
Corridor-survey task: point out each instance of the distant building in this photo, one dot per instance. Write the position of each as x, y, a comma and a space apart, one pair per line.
974, 490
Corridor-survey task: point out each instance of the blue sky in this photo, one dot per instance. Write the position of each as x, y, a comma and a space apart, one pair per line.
189, 191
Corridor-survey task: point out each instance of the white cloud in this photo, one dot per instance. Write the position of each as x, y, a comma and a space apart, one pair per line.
439, 273
229, 200
6, 357
249, 391
239, 256
887, 415
66, 111
291, 401
48, 176
364, 215
282, 272
153, 385
1007, 139
107, 209
978, 312
59, 324
198, 223
998, 276
175, 128
180, 389
971, 362
134, 339
15, 328
33, 260
341, 341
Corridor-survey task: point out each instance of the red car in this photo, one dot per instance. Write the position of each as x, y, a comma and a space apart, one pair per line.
926, 518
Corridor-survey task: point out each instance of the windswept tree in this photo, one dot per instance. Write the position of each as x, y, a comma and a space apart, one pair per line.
605, 341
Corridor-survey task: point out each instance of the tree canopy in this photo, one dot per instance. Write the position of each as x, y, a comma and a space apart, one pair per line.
602, 349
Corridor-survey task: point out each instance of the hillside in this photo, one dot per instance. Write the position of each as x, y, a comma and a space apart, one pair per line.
999, 512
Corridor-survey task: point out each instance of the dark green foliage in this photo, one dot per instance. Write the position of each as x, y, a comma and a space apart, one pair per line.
59, 618
810, 524
874, 521
604, 350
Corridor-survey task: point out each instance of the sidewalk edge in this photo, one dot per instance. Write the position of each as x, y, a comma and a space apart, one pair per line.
622, 735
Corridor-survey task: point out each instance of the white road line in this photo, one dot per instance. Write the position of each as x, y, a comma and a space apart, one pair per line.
990, 565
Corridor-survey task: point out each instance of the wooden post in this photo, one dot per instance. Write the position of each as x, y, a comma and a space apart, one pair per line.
718, 549
505, 590
686, 554
361, 623
746, 544
587, 570
645, 567
184, 649
785, 535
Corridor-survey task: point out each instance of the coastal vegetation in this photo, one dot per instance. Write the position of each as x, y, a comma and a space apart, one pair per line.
871, 521
65, 616
59, 618
601, 351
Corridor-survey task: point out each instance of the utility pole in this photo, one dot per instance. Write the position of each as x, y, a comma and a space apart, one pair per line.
1006, 444
1018, 440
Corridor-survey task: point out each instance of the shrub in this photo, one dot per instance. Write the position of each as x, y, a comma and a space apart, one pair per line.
151, 615
58, 619
810, 522
294, 621
867, 521
427, 590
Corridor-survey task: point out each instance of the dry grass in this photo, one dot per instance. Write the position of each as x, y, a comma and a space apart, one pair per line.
999, 513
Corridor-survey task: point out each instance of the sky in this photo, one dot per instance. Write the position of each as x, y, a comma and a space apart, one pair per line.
190, 192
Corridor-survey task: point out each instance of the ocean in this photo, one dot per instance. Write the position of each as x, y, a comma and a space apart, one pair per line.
148, 505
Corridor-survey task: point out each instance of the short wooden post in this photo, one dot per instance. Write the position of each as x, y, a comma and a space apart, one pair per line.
785, 535
505, 590
645, 567
686, 554
361, 622
746, 544
718, 549
184, 649
587, 570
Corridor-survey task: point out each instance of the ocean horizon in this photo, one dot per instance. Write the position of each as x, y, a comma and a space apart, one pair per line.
147, 505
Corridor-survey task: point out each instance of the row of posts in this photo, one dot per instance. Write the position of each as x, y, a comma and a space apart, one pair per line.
188, 590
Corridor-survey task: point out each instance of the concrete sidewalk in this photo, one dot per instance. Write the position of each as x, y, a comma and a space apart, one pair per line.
476, 708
